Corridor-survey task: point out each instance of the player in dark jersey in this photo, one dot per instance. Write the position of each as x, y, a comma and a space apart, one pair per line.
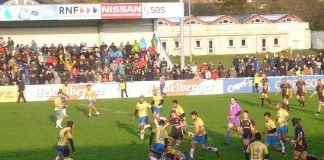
177, 123
285, 92
300, 91
265, 88
319, 90
247, 129
299, 140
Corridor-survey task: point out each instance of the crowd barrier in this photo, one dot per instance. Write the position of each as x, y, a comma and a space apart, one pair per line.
135, 89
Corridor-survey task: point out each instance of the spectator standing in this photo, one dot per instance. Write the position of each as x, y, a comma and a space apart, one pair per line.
21, 89
257, 80
123, 87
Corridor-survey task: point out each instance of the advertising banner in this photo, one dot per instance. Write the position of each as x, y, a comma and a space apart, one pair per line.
8, 93
27, 12
121, 11
245, 85
134, 89
78, 11
163, 10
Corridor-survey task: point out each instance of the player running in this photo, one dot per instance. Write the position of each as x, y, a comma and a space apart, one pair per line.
177, 124
285, 91
200, 136
257, 150
65, 96
247, 129
282, 130
300, 91
299, 141
233, 119
157, 102
59, 105
265, 89
270, 132
141, 111
319, 90
65, 137
160, 139
91, 95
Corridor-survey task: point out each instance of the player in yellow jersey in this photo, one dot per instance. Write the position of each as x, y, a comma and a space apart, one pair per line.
91, 95
282, 129
270, 132
141, 110
257, 150
59, 105
157, 102
65, 138
64, 89
200, 136
160, 139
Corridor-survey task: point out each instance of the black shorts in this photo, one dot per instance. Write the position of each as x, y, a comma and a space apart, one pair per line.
177, 136
300, 93
247, 136
301, 149
264, 91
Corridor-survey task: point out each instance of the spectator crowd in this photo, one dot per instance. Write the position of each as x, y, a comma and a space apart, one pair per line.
139, 61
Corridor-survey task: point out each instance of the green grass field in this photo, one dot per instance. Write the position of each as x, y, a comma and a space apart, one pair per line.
28, 133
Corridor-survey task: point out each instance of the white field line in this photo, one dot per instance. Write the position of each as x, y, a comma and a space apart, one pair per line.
108, 109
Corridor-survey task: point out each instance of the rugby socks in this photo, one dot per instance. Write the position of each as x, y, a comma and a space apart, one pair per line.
153, 158
163, 118
283, 148
214, 149
192, 151
268, 101
147, 126
142, 134
59, 123
191, 134
228, 136
89, 114
58, 158
262, 102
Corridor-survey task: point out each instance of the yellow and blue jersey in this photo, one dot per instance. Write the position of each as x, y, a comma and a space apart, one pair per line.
257, 150
64, 136
142, 109
91, 95
157, 99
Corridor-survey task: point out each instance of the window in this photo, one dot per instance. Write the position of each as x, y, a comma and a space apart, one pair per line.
176, 43
231, 43
210, 47
276, 41
243, 42
225, 21
198, 44
257, 21
193, 22
161, 23
288, 20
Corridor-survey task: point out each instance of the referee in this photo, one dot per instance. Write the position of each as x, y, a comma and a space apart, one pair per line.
21, 89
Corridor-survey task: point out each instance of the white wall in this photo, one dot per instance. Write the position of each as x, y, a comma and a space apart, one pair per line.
294, 35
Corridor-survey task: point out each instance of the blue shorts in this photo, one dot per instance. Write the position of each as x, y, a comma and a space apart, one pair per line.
271, 141
157, 110
282, 130
200, 139
142, 120
92, 101
158, 148
59, 113
60, 149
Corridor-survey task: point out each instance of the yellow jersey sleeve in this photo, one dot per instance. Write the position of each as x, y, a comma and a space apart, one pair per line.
58, 103
265, 149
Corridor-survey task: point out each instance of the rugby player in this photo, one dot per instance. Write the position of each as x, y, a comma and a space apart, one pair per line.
160, 139
247, 129
265, 89
299, 141
319, 90
65, 138
285, 92
157, 102
91, 95
200, 136
141, 111
59, 105
65, 96
257, 150
300, 91
282, 130
177, 124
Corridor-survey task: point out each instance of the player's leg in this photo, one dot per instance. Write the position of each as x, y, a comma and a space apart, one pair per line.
297, 154
171, 139
246, 142
89, 109
152, 156
126, 92
94, 108
122, 93
178, 141
319, 107
205, 147
282, 138
23, 97
60, 151
262, 99
228, 133
192, 147
304, 155
267, 98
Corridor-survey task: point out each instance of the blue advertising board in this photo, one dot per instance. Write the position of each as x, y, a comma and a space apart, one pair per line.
245, 85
